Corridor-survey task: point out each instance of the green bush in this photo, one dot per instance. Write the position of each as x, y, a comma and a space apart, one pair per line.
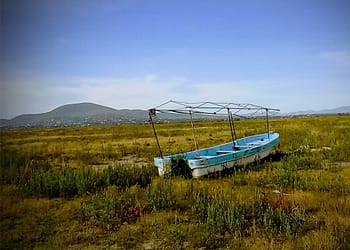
278, 220
222, 213
285, 177
219, 212
161, 195
110, 209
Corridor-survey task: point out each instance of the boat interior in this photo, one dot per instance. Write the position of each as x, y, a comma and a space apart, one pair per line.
230, 147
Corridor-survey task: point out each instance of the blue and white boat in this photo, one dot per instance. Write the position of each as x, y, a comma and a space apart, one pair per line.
237, 152
218, 158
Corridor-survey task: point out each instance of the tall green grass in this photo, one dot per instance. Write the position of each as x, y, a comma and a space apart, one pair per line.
70, 182
225, 213
112, 208
162, 195
16, 168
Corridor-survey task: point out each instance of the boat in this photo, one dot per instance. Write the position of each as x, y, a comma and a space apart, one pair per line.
236, 152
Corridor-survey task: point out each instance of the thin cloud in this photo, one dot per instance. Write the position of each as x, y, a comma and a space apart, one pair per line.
133, 92
150, 90
338, 57
25, 93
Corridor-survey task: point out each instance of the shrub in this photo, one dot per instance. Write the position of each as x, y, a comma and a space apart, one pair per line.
161, 195
218, 212
286, 177
110, 209
221, 213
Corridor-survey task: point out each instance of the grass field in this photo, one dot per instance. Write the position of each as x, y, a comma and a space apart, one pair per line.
96, 187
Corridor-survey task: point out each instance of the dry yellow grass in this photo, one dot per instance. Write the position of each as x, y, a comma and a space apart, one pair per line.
316, 184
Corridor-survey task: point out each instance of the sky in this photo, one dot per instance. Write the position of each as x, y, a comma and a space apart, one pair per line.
287, 54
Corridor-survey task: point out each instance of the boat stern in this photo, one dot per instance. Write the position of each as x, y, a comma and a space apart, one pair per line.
161, 164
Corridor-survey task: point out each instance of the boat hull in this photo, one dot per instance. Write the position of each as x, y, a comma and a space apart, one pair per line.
225, 156
198, 172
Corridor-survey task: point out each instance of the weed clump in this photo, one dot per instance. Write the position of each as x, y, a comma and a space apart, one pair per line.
70, 182
111, 209
226, 214
16, 168
161, 195
178, 167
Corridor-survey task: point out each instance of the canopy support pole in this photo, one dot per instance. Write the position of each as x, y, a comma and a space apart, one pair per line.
154, 131
193, 132
267, 123
231, 126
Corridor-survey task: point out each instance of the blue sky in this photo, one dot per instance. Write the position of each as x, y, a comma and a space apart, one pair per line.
292, 55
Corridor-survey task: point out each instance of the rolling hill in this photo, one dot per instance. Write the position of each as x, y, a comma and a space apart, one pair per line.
80, 114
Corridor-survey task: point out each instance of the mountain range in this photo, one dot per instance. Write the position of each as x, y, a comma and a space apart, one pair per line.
80, 114
339, 110
87, 114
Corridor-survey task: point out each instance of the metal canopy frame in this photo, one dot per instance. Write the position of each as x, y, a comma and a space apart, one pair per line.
228, 109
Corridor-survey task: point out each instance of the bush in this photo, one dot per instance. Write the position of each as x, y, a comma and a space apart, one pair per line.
161, 195
110, 209
285, 177
219, 212
222, 214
